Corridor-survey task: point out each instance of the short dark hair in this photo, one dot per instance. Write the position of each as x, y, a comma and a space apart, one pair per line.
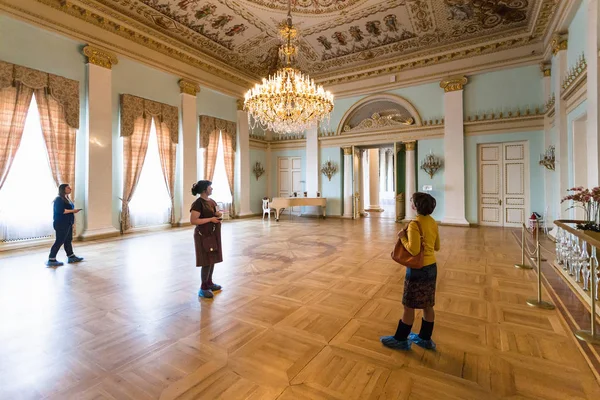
424, 203
200, 187
62, 191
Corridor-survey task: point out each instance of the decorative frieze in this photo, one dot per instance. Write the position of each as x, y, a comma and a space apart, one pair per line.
102, 58
550, 103
291, 136
514, 113
575, 72
453, 84
188, 87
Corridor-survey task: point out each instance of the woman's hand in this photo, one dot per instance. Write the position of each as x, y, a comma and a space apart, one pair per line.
402, 233
215, 220
76, 210
218, 214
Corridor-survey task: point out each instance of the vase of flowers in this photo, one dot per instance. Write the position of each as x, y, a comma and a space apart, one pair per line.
589, 201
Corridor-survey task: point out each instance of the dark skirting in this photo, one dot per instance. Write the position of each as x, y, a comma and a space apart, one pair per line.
419, 287
204, 258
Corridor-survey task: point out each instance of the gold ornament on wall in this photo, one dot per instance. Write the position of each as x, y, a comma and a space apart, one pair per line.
102, 58
258, 170
548, 159
431, 164
329, 169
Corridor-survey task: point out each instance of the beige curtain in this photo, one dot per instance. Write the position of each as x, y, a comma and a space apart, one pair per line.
167, 152
210, 156
14, 104
59, 138
135, 147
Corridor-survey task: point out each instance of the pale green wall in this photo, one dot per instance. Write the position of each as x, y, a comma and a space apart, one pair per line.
577, 35
274, 167
216, 104
438, 180
339, 109
258, 188
504, 90
130, 77
332, 190
536, 172
49, 52
427, 98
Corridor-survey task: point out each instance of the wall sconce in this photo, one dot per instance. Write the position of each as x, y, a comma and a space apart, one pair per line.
258, 170
431, 164
329, 169
548, 158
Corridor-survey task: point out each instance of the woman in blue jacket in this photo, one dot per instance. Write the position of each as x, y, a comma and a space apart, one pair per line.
64, 218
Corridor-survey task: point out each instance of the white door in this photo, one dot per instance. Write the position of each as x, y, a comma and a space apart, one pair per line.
503, 184
290, 177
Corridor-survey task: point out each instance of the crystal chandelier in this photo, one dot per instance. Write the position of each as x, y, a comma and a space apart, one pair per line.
288, 101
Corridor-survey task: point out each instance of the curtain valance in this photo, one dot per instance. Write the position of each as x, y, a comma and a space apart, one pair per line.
210, 125
64, 91
133, 107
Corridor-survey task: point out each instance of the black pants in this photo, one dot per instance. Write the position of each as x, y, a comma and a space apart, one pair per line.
64, 236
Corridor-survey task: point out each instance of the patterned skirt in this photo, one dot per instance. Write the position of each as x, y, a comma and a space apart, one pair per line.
419, 287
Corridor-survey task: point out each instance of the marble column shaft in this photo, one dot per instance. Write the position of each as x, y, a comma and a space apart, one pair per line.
410, 179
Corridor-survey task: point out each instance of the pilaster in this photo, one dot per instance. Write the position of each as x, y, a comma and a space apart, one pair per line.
244, 158
593, 93
454, 151
410, 180
98, 209
348, 192
188, 146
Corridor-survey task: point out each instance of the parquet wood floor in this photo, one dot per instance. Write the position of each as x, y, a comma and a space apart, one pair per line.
303, 306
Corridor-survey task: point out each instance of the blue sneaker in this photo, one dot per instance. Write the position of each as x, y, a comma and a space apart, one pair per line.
207, 294
53, 263
74, 259
393, 343
426, 344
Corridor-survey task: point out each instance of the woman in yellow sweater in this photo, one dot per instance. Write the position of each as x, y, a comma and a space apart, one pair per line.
419, 284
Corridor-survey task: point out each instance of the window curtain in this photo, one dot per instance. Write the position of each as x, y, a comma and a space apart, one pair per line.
210, 127
136, 121
58, 103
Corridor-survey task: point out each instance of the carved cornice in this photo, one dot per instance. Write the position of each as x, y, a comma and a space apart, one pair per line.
377, 121
410, 146
546, 69
577, 70
453, 84
510, 114
99, 57
188, 87
559, 42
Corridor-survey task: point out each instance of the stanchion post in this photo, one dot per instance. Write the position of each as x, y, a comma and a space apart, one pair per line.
539, 303
591, 336
523, 265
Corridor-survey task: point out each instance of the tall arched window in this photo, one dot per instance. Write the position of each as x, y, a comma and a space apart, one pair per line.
150, 204
27, 194
221, 192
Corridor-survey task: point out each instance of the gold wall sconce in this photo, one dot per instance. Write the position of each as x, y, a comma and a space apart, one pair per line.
431, 164
329, 169
548, 159
258, 170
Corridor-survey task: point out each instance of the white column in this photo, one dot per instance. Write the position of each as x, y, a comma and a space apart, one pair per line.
99, 195
560, 124
188, 146
348, 192
312, 162
244, 151
389, 156
410, 180
362, 158
593, 93
454, 151
382, 172
374, 180
269, 174
548, 174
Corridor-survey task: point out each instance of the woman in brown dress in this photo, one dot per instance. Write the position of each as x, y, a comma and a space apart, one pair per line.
207, 236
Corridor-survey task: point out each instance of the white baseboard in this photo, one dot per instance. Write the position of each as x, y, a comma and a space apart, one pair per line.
102, 233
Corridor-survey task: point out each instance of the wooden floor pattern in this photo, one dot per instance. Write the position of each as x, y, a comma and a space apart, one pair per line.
303, 306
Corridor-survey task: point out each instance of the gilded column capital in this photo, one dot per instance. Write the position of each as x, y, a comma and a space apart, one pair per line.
102, 58
188, 87
546, 69
454, 83
347, 151
410, 146
559, 42
240, 104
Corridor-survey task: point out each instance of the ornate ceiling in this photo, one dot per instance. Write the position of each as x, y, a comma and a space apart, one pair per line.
338, 36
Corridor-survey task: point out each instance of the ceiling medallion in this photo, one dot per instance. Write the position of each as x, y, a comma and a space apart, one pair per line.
288, 101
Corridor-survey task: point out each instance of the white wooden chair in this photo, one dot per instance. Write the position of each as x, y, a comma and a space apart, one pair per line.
266, 209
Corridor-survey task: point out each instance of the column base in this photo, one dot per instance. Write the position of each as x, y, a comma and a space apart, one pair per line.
348, 216
455, 222
375, 209
100, 233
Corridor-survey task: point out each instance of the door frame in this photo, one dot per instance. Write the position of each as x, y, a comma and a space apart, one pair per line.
526, 181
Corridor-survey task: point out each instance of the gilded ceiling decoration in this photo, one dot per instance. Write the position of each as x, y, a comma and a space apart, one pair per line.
338, 36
